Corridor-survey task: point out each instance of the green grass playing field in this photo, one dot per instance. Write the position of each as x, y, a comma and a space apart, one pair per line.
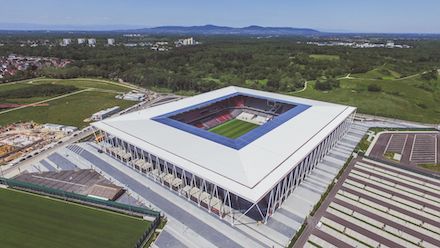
233, 128
69, 110
33, 221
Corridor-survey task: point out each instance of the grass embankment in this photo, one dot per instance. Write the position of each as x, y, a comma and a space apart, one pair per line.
408, 99
33, 221
431, 167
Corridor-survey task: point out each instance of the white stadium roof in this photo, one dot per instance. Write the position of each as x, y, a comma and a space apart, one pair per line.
249, 172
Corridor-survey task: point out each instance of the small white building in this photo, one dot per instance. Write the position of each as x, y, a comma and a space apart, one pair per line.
69, 129
105, 113
132, 96
81, 41
60, 128
53, 127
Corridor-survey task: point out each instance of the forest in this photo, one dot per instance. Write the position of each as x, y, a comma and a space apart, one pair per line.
276, 64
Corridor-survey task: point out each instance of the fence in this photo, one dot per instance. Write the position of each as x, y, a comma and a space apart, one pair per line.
74, 197
147, 234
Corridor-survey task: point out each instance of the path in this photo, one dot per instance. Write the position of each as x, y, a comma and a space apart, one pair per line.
126, 85
312, 221
303, 89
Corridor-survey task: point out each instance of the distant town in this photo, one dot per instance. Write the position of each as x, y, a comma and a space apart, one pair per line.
11, 64
358, 44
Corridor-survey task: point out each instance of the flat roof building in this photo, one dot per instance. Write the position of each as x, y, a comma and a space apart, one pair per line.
252, 173
100, 115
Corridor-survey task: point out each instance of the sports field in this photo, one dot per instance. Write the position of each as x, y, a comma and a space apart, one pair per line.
29, 220
233, 128
91, 96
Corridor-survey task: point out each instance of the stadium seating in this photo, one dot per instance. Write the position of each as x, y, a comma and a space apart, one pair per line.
255, 110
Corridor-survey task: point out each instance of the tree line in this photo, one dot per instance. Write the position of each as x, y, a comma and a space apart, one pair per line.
40, 90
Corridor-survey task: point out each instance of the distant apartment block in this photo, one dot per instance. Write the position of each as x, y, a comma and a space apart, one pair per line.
66, 42
91, 42
111, 42
186, 42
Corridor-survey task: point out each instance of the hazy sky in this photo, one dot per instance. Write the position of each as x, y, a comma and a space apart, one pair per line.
421, 16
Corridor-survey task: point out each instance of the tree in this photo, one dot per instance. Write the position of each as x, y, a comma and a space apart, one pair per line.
323, 85
327, 84
431, 75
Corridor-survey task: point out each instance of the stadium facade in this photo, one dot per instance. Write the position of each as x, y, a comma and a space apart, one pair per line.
199, 147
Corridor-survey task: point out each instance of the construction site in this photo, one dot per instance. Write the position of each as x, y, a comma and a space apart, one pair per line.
20, 139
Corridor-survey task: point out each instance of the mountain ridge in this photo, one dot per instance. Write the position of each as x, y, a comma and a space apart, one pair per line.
210, 29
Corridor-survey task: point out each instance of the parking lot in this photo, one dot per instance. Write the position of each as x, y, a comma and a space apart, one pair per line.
408, 148
379, 205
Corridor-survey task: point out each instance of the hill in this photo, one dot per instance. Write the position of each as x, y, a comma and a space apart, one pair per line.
223, 30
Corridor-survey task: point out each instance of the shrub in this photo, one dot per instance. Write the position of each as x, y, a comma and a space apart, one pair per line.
374, 88
323, 85
327, 84
431, 75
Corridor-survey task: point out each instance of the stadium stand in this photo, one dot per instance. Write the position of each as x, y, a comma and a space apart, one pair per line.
246, 108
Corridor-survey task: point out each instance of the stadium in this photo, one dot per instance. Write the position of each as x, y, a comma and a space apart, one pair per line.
232, 151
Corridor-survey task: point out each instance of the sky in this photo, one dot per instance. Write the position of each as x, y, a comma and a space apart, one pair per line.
389, 16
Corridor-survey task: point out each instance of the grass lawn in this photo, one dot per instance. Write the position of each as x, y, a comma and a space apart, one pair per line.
233, 128
33, 221
379, 73
431, 167
81, 83
70, 110
402, 99
324, 57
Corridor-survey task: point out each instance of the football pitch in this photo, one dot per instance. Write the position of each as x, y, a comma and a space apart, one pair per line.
29, 220
233, 128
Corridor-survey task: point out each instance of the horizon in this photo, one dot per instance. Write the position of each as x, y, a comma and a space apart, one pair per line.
23, 27
341, 16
